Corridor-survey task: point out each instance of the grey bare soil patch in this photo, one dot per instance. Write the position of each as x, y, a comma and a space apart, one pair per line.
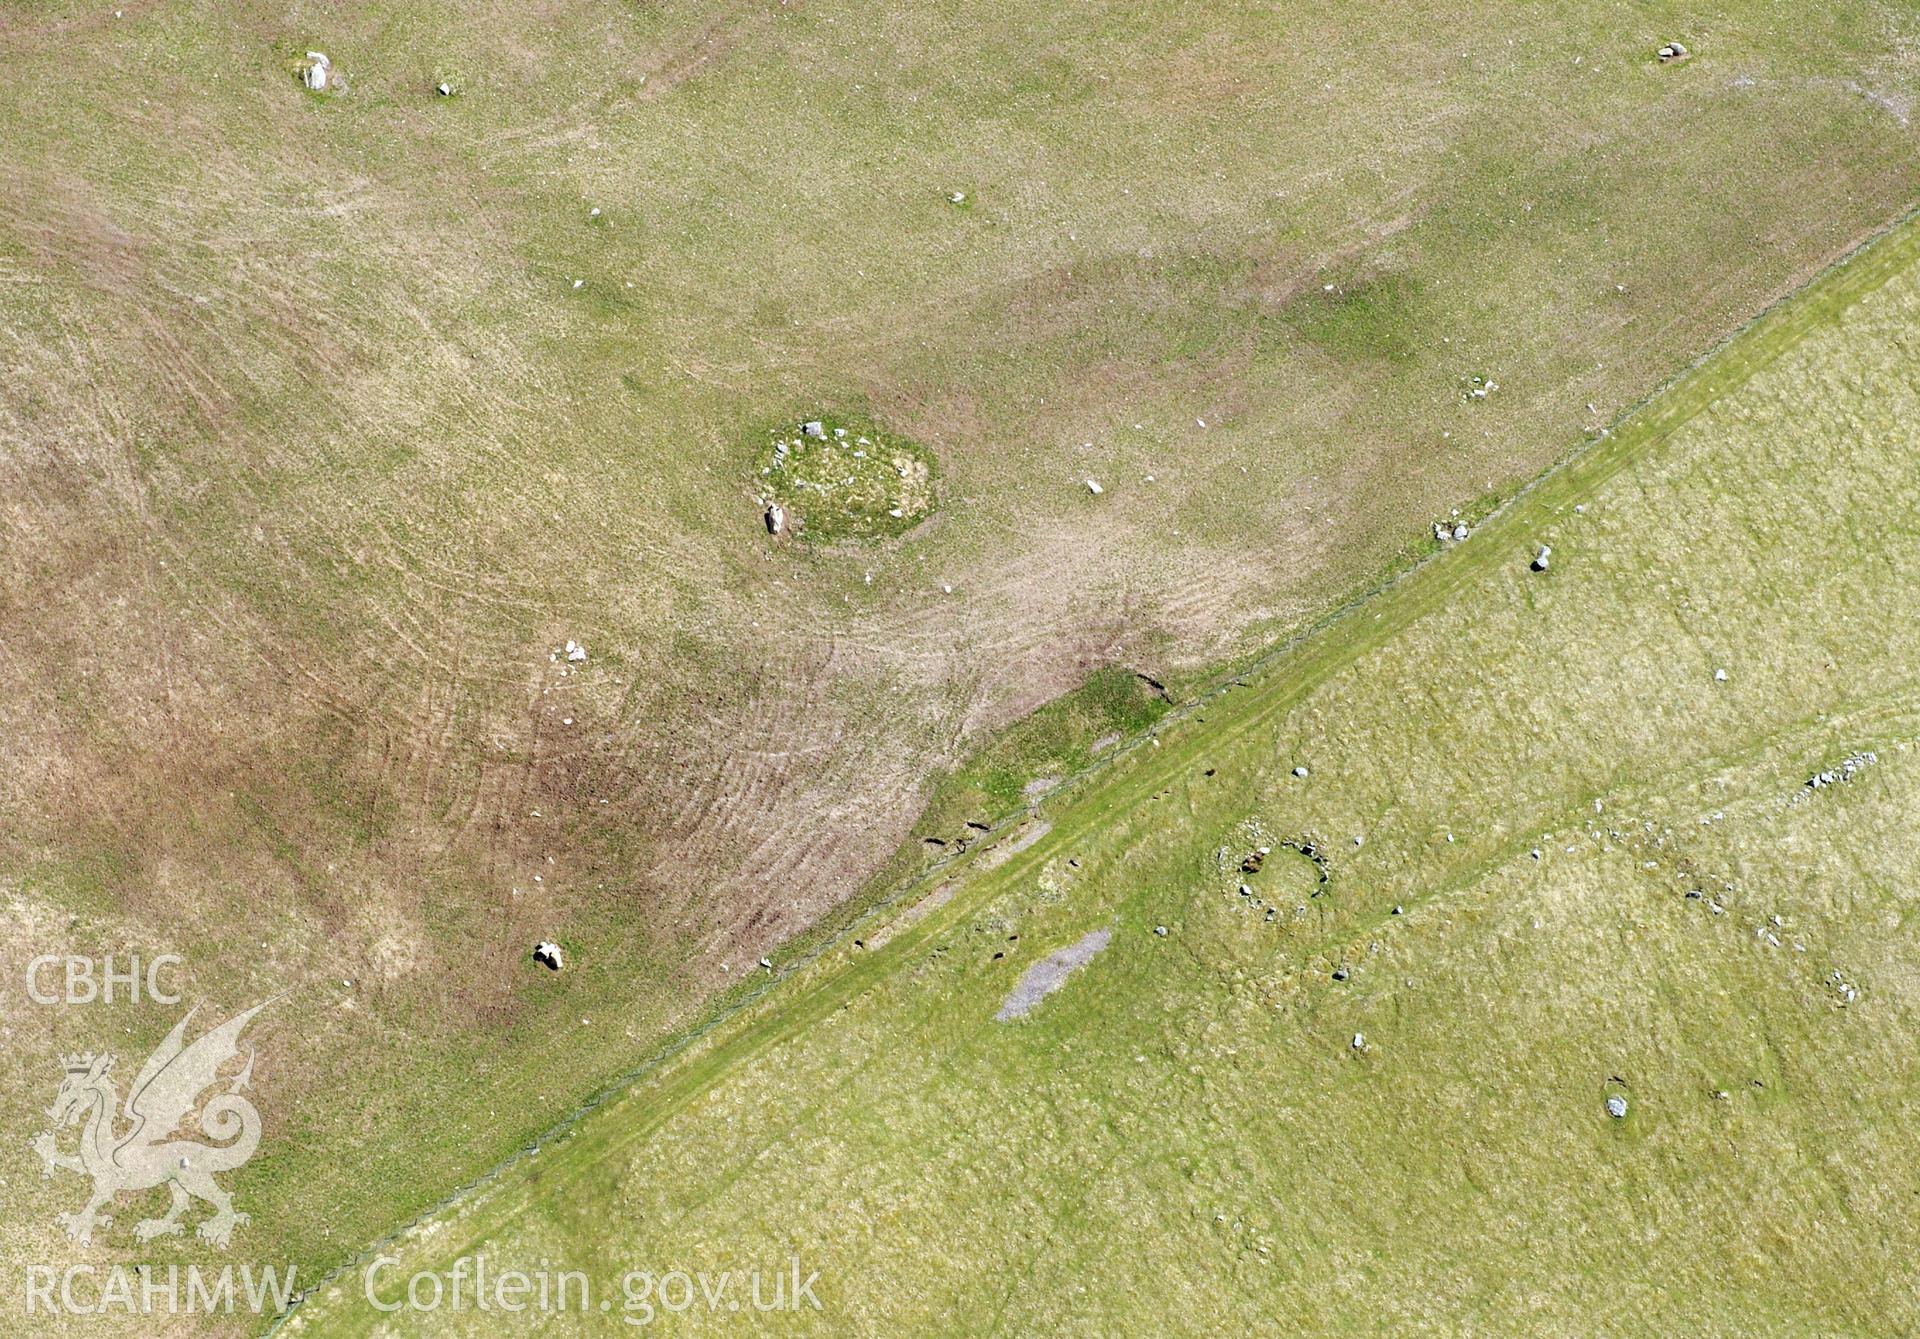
933, 901
995, 856
1051, 973
991, 858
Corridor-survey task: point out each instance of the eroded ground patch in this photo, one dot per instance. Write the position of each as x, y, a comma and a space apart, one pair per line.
1051, 973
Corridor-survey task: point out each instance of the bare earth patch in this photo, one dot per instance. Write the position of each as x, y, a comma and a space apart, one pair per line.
995, 856
992, 858
1051, 973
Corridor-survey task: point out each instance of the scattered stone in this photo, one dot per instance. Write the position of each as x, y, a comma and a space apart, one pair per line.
1300, 772
317, 71
1160, 930
1849, 768
767, 963
444, 89
1459, 531
1399, 910
814, 428
576, 653
1339, 974
957, 198
1673, 51
776, 519
1359, 1041
1617, 1107
1093, 487
1719, 676
1540, 558
547, 954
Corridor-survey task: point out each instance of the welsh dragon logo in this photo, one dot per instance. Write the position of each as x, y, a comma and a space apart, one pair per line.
134, 1152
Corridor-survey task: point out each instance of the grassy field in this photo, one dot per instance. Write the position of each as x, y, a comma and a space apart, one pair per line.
328, 418
1569, 860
